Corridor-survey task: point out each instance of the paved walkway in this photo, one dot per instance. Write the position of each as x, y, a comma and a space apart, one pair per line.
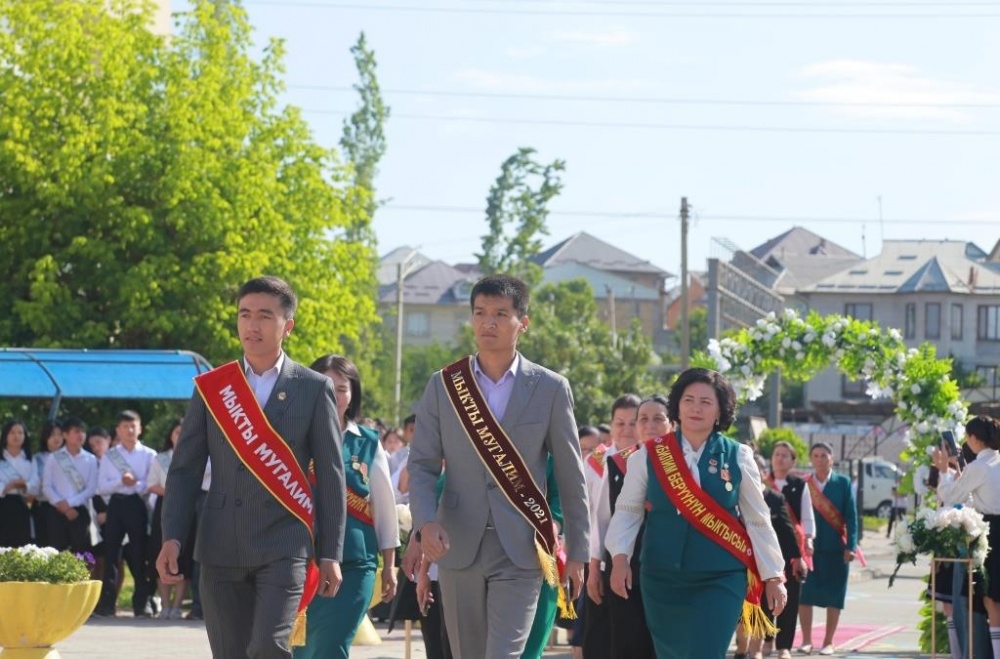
878, 622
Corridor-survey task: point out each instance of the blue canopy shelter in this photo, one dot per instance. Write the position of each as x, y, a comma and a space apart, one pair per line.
132, 374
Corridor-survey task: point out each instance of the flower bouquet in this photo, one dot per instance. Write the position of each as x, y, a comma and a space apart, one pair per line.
953, 532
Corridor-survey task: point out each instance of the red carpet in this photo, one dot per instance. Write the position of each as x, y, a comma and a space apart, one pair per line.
850, 637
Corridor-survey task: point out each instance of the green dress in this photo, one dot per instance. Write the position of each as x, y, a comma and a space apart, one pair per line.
827, 584
332, 622
545, 614
692, 589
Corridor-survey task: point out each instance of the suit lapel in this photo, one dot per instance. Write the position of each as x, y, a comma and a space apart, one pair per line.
524, 385
284, 390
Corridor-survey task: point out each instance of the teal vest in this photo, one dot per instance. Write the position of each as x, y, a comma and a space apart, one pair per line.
360, 541
670, 543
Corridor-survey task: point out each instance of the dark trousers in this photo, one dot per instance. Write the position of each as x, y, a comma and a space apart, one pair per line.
597, 626
39, 518
630, 637
127, 517
249, 611
15, 521
432, 627
72, 535
788, 618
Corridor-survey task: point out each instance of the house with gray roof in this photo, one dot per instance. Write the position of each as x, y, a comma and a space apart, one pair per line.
800, 258
591, 251
945, 292
435, 301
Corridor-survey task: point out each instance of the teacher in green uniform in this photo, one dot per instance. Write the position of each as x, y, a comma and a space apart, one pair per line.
835, 547
371, 524
709, 552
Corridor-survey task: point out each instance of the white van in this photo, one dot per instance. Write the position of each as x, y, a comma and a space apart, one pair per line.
879, 479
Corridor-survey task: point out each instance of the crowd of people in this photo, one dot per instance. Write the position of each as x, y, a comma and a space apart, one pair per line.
275, 502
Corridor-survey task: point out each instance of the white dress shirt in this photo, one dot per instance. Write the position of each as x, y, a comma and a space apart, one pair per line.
25, 468
631, 506
263, 384
980, 480
109, 478
59, 487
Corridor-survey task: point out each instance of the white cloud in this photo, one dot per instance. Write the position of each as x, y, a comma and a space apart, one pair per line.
492, 81
614, 35
895, 91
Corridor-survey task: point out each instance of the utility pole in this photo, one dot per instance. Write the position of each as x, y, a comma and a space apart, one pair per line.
685, 321
401, 271
613, 313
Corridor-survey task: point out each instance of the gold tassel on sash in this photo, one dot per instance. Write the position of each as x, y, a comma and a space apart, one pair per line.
550, 572
753, 619
297, 639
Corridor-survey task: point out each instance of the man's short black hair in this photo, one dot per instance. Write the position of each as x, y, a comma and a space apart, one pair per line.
500, 285
128, 415
275, 286
74, 422
409, 420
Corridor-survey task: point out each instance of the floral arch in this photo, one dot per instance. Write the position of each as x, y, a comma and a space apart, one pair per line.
919, 384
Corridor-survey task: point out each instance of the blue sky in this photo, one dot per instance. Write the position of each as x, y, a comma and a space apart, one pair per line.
764, 114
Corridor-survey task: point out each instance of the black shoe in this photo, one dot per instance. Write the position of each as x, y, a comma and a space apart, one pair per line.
103, 613
194, 615
145, 613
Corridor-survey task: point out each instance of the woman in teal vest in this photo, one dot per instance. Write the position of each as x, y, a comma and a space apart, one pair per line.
693, 589
331, 623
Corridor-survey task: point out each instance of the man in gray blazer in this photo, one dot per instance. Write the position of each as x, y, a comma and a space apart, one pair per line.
253, 552
490, 574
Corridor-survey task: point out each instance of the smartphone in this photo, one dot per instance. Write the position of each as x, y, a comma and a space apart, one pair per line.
951, 446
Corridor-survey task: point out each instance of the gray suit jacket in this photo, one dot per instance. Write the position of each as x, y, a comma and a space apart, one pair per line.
242, 524
539, 421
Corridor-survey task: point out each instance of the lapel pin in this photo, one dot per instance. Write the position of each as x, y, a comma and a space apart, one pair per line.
282, 395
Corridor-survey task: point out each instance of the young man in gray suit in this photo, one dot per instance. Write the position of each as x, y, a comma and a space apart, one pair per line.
252, 549
484, 545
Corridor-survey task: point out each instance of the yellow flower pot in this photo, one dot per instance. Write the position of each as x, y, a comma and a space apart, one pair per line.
37, 615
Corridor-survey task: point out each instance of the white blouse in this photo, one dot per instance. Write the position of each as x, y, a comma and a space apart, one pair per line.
26, 470
630, 509
980, 480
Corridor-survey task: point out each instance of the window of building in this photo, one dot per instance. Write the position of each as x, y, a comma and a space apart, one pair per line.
910, 331
853, 389
418, 323
988, 325
861, 311
956, 322
932, 320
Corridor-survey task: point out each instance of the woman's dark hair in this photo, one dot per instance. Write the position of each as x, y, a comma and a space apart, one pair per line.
584, 431
167, 445
659, 399
7, 427
48, 428
723, 391
986, 430
625, 402
346, 368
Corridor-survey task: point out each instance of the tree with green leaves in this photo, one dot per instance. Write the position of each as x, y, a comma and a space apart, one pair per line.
516, 211
143, 179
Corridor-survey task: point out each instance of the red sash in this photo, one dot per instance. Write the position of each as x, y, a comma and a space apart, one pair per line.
831, 514
706, 516
621, 457
359, 507
800, 535
232, 403
505, 464
596, 459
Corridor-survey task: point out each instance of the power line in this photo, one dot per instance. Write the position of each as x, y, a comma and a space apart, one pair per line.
649, 100
635, 14
658, 126
702, 217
